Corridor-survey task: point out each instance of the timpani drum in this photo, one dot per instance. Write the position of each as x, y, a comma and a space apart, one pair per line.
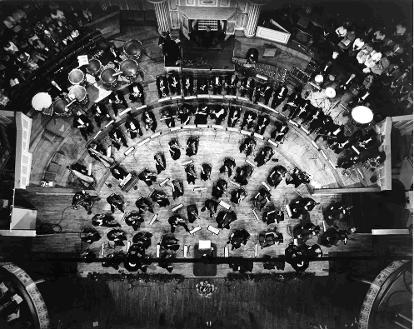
60, 107
76, 77
362, 115
129, 68
109, 77
41, 101
94, 67
133, 49
79, 94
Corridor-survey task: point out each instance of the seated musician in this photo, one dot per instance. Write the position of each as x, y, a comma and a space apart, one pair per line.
169, 242
264, 155
243, 173
292, 101
262, 124
347, 161
297, 257
305, 231
273, 215
118, 172
105, 220
261, 198
225, 218
270, 237
160, 163
248, 146
192, 146
219, 114
162, 86
210, 205
201, 114
144, 205
117, 235
83, 199
174, 148
188, 85
184, 113
168, 115
316, 121
132, 126
147, 176
266, 93
94, 148
116, 201
228, 166
177, 220
136, 93
90, 235
84, 125
205, 171
149, 120
100, 113
116, 258
191, 173
248, 120
217, 84
234, 116
238, 237
134, 219
230, 84
276, 176
297, 177
117, 138
160, 197
117, 101
219, 188
142, 239
202, 86
238, 195
301, 108
174, 83
279, 96
192, 213
177, 188
332, 236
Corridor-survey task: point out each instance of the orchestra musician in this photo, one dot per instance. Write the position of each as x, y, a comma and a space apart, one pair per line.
177, 188
116, 201
149, 120
219, 114
201, 114
238, 195
118, 172
160, 197
266, 93
217, 84
264, 155
276, 176
279, 132
191, 173
225, 218
262, 123
162, 86
147, 176
160, 163
248, 120
84, 125
177, 220
105, 220
228, 166
230, 84
210, 205
243, 173
117, 138
134, 219
247, 146
205, 171
273, 215
234, 116
144, 205
169, 116
261, 198
100, 113
270, 237
188, 85
219, 188
192, 213
238, 237
174, 148
136, 93
279, 96
184, 113
174, 83
117, 101
192, 146
202, 86
132, 126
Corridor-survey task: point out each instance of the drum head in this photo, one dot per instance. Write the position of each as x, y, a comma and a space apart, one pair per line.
94, 66
77, 92
133, 48
41, 101
107, 75
362, 114
76, 76
59, 106
129, 67
330, 92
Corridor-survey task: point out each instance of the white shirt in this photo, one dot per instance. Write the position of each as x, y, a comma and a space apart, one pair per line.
358, 44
